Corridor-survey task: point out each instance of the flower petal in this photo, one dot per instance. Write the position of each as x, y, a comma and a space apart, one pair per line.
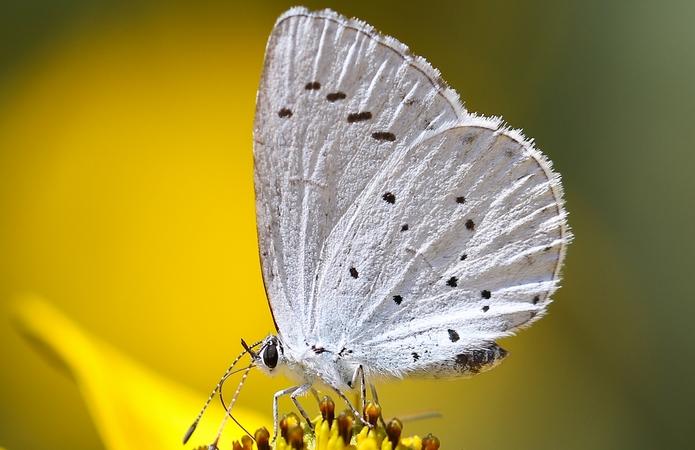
132, 406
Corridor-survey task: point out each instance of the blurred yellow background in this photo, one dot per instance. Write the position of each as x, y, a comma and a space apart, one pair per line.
126, 199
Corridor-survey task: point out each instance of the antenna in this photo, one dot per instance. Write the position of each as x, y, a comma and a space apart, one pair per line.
218, 386
228, 414
224, 405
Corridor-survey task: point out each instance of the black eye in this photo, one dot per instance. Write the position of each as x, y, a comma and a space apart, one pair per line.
270, 356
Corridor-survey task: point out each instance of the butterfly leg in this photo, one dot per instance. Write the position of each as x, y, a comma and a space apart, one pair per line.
352, 408
300, 391
277, 395
359, 373
315, 393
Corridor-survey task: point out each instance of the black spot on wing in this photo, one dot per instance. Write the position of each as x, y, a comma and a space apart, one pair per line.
453, 282
389, 198
404, 227
536, 299
463, 257
359, 116
284, 112
486, 308
384, 136
335, 96
485, 293
470, 225
415, 356
318, 350
453, 335
312, 86
353, 272
398, 299
460, 199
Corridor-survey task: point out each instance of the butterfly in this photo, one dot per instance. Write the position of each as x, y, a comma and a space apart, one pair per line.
399, 234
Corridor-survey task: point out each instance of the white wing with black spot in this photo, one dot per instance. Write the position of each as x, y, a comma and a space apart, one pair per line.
336, 100
395, 228
467, 249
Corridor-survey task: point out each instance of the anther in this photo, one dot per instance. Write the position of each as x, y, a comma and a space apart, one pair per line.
393, 431
345, 425
246, 442
288, 421
236, 446
295, 437
327, 408
430, 442
372, 412
262, 436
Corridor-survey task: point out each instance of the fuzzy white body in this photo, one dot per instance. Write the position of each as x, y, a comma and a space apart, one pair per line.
325, 368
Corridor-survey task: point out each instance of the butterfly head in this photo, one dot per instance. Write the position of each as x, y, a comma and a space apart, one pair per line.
270, 354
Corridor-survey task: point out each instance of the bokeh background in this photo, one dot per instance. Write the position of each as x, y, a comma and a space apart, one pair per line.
126, 199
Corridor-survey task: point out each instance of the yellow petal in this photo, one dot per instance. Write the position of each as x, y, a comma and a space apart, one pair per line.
131, 406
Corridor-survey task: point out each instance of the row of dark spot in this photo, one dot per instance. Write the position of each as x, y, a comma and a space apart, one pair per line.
389, 197
286, 113
398, 299
453, 335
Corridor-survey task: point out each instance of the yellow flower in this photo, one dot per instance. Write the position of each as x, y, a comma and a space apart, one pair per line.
133, 407
343, 433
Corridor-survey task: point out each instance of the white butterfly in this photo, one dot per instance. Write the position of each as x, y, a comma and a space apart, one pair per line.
399, 234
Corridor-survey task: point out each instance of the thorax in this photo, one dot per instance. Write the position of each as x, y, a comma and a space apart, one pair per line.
318, 364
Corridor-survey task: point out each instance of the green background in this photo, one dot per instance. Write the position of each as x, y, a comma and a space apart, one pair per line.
126, 199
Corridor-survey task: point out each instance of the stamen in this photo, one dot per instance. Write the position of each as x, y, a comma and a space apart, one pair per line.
342, 434
246, 442
295, 437
393, 431
371, 413
327, 408
430, 442
345, 425
262, 436
288, 421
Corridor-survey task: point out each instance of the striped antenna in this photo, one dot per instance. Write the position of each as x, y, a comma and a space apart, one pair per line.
228, 414
218, 386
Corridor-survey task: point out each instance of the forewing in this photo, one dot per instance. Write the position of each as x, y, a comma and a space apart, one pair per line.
458, 241
336, 104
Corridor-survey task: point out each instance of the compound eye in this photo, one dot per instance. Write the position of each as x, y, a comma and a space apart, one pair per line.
270, 356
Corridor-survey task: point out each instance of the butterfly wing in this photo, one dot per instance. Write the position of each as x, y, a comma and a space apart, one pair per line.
337, 103
466, 248
395, 229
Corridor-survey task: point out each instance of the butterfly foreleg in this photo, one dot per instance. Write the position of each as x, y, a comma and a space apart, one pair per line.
276, 397
315, 393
